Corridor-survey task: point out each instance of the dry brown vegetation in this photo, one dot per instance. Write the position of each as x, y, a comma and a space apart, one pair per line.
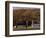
26, 14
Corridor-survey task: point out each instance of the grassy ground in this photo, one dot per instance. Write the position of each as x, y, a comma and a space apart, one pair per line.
20, 27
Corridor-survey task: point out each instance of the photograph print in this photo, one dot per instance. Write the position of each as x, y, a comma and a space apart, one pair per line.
24, 18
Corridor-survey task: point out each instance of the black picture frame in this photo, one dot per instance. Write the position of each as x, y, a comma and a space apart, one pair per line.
7, 18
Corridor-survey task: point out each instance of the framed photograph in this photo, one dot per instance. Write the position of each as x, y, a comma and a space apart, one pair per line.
24, 18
